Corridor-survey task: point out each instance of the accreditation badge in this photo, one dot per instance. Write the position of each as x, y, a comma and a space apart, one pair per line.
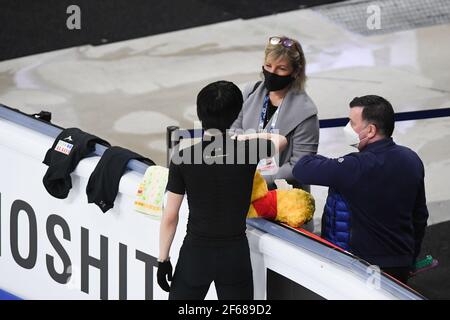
267, 167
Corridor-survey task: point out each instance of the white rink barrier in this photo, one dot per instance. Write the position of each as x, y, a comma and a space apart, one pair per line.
69, 249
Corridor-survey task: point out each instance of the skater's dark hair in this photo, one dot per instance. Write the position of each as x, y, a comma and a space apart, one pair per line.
218, 105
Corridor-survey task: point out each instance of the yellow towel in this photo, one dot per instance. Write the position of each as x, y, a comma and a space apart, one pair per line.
150, 194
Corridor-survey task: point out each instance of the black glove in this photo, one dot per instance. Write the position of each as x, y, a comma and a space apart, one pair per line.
164, 270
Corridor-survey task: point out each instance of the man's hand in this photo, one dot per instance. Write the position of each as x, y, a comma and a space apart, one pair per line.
164, 274
242, 137
280, 142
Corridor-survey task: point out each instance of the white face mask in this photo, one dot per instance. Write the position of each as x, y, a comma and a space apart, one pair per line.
351, 137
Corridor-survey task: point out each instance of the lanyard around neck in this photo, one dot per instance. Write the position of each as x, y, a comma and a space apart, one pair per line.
264, 113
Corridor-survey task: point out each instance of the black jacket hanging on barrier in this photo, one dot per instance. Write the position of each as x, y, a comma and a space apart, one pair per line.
103, 184
69, 148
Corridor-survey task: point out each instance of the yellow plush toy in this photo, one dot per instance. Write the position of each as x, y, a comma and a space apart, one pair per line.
293, 207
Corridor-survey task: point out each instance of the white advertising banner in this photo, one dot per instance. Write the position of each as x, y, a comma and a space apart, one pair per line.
69, 249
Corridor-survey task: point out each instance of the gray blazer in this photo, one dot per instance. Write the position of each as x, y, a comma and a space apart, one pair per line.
297, 121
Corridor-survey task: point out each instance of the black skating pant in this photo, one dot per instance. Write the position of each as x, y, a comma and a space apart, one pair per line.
201, 262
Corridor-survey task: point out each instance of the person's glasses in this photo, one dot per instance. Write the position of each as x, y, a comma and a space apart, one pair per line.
285, 42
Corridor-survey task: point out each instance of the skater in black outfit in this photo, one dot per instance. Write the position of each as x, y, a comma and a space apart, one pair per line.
218, 187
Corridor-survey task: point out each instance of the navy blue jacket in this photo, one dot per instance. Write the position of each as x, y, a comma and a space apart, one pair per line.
383, 186
336, 220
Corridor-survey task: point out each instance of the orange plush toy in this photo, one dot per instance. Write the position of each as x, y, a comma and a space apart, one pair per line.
293, 207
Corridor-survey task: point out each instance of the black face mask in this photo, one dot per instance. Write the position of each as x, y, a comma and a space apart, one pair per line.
274, 82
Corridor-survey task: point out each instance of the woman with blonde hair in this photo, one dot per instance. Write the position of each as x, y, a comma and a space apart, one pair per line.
280, 104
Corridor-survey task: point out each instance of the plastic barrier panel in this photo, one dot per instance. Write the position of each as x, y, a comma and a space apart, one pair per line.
69, 249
